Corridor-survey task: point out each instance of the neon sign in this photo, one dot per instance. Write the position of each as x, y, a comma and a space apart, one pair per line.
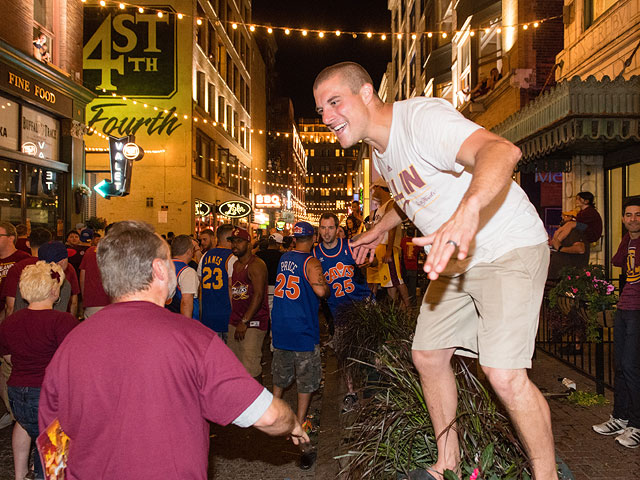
122, 153
234, 209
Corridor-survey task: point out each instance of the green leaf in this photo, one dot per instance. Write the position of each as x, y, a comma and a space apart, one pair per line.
486, 459
450, 475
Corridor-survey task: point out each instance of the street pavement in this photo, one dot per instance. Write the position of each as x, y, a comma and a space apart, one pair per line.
248, 454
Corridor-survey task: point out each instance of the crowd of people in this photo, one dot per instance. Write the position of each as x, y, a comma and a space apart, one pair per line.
182, 321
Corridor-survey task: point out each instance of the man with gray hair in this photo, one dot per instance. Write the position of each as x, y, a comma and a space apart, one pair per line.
154, 363
185, 297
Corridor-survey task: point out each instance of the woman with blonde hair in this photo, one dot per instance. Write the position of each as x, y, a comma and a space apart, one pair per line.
31, 336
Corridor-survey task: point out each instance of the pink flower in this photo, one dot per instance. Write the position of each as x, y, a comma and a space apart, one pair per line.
568, 277
574, 290
588, 274
475, 474
610, 289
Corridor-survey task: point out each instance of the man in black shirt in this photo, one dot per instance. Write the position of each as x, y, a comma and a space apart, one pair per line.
271, 256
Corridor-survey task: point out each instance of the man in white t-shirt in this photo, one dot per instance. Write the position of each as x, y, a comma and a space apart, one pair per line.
488, 257
185, 299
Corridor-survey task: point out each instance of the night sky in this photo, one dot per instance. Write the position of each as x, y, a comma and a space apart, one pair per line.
299, 59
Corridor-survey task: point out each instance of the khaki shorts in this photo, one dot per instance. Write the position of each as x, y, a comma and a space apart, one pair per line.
490, 312
249, 350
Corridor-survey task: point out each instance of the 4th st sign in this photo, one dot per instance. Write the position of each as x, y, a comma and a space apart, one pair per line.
122, 153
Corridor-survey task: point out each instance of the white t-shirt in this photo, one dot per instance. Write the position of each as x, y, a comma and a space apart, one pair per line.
420, 167
188, 281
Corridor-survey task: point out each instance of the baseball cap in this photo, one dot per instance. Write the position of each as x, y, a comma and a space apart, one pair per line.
277, 237
240, 233
380, 182
53, 252
86, 235
303, 229
571, 213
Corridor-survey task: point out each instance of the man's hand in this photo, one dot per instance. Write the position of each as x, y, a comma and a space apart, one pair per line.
298, 436
364, 245
241, 329
459, 229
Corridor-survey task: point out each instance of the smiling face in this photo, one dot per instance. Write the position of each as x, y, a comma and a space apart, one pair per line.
631, 219
343, 111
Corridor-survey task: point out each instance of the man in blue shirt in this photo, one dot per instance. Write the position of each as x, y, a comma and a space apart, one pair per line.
346, 282
214, 270
295, 326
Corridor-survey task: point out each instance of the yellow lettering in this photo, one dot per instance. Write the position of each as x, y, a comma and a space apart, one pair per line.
102, 38
130, 35
152, 31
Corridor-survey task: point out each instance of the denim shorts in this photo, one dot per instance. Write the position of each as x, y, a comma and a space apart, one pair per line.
304, 367
24, 404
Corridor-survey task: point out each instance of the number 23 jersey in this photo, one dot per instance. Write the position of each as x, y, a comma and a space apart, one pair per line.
214, 270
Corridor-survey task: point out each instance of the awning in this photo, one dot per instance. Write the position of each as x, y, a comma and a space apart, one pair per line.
590, 117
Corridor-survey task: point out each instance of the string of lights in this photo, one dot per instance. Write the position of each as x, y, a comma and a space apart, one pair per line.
316, 32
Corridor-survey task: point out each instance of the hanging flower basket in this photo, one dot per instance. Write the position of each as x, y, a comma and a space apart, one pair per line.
587, 291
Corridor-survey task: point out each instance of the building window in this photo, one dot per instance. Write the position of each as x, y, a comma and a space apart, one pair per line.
223, 167
233, 173
200, 85
221, 109
201, 30
43, 30
593, 9
212, 44
211, 100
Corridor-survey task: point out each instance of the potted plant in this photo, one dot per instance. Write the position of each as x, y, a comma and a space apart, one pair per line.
587, 290
96, 223
80, 193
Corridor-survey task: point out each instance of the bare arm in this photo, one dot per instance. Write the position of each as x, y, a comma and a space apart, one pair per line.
9, 305
492, 160
73, 305
186, 305
365, 244
258, 279
279, 419
577, 248
316, 278
81, 280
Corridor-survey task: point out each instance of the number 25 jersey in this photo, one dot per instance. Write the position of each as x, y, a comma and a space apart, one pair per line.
294, 318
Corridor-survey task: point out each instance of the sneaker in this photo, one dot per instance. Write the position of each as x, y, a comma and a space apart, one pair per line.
630, 438
307, 459
613, 426
6, 420
350, 402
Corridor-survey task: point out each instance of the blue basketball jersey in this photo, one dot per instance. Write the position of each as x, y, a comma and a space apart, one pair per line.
294, 318
342, 274
174, 303
215, 302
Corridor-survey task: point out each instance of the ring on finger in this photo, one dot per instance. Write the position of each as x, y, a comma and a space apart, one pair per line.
451, 242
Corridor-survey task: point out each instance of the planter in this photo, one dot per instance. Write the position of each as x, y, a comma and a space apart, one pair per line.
606, 319
565, 304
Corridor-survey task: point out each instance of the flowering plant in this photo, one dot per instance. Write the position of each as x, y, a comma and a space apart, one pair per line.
587, 287
82, 189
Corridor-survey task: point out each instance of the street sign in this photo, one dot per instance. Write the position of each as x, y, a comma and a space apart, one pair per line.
234, 209
122, 153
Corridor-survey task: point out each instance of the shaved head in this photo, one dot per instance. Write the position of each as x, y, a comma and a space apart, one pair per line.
352, 73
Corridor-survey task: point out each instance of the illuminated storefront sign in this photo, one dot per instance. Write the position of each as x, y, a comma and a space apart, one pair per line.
122, 153
234, 209
261, 218
40, 135
8, 124
202, 209
280, 224
268, 201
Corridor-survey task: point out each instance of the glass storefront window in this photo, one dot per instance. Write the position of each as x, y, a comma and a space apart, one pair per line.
43, 197
10, 192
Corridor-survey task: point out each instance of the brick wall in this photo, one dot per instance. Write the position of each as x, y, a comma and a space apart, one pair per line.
16, 28
547, 42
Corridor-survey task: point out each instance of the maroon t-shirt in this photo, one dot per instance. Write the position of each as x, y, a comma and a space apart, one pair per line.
31, 337
94, 294
241, 295
134, 385
12, 280
410, 253
628, 258
593, 222
5, 264
22, 244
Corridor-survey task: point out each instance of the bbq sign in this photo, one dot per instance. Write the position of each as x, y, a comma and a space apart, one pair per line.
128, 52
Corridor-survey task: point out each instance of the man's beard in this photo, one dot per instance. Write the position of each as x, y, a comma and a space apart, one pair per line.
173, 280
